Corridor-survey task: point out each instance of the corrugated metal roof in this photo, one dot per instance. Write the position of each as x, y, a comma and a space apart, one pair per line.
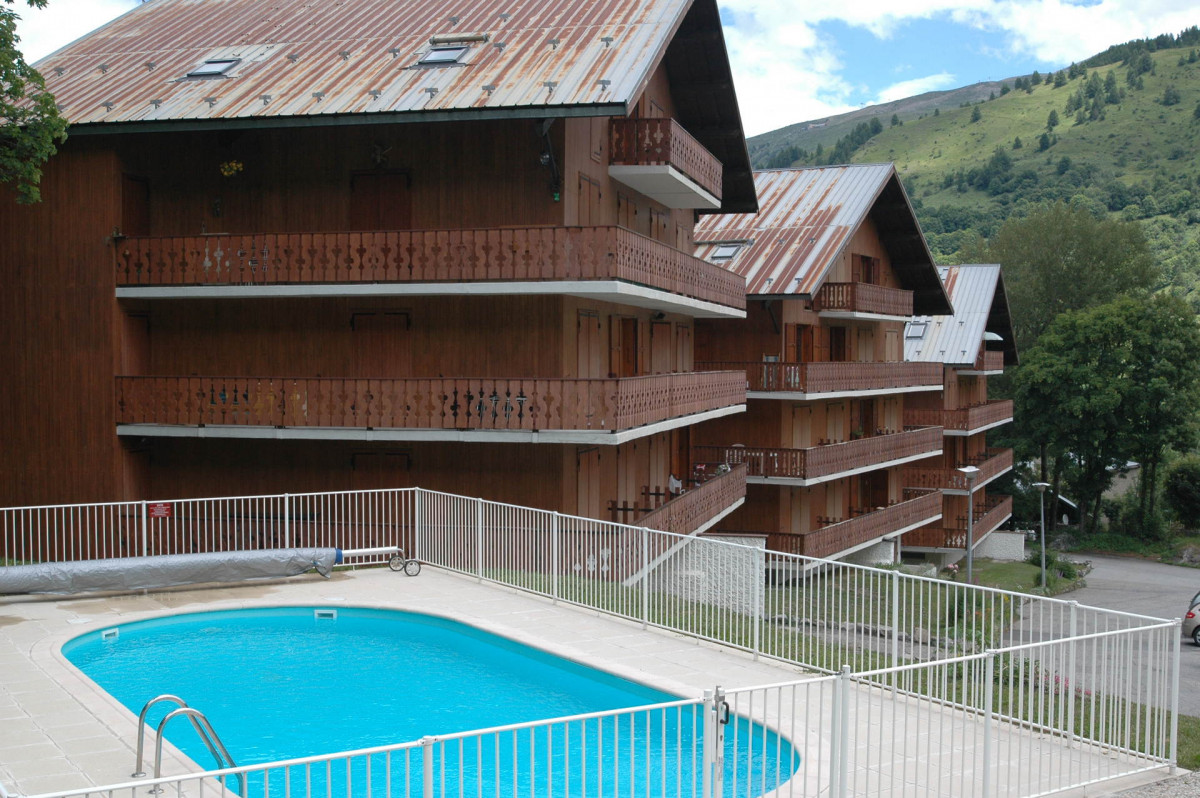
333, 57
980, 304
805, 218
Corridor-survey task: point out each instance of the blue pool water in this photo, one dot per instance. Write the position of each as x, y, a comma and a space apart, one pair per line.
281, 683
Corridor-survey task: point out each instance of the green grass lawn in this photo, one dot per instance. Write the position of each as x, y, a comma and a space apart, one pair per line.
1189, 742
1019, 577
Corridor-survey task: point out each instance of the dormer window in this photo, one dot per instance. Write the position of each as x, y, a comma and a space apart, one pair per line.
214, 68
442, 56
724, 252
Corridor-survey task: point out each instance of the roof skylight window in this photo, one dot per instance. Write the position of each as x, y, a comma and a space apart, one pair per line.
214, 68
916, 330
724, 252
441, 56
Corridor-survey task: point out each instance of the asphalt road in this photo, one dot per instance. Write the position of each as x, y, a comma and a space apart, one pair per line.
1148, 588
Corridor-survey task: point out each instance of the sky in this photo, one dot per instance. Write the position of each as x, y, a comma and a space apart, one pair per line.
796, 61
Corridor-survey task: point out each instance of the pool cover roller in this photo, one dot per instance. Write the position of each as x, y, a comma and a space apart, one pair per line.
125, 573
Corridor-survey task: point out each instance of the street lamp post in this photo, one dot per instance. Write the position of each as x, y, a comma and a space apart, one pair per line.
1041, 486
970, 472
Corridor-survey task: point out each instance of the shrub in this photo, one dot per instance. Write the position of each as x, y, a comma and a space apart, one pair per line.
1181, 490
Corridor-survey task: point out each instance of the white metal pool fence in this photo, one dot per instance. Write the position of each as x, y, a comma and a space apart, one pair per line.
934, 687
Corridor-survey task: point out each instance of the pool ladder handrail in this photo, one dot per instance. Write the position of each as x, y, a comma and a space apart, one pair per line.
199, 722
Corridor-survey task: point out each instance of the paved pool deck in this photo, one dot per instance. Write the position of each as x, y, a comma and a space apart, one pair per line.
59, 731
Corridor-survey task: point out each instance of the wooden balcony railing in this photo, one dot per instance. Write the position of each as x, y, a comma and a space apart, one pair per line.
835, 377
964, 419
834, 538
664, 142
989, 361
993, 463
690, 510
460, 404
863, 298
989, 516
832, 458
411, 256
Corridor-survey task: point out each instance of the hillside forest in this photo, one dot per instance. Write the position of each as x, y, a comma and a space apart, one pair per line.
1084, 183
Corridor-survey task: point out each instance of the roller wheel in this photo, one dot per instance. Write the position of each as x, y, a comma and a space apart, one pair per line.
397, 562
412, 568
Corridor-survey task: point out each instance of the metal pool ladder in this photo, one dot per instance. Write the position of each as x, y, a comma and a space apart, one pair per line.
203, 728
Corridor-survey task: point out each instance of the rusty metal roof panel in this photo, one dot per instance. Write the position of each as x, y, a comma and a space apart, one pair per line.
324, 57
806, 217
955, 339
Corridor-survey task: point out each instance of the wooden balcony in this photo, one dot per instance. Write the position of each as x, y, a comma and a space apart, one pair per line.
697, 506
829, 460
839, 536
799, 380
496, 256
964, 421
660, 159
987, 362
991, 464
476, 404
849, 299
989, 515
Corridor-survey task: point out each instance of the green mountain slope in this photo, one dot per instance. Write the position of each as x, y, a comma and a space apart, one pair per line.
1127, 143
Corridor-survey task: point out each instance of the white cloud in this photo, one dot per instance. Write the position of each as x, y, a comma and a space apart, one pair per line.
910, 88
785, 70
61, 22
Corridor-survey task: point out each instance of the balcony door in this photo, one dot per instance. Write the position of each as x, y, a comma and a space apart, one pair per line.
873, 490
589, 356
588, 501
380, 201
660, 347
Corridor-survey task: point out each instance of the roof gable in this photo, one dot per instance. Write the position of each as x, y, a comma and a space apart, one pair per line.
980, 307
321, 58
806, 219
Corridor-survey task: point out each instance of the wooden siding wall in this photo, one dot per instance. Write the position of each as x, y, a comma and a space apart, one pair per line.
864, 242
59, 320
517, 473
741, 340
597, 476
591, 197
463, 174
519, 336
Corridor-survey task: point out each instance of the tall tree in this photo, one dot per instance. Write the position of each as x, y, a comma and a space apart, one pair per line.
1107, 384
31, 126
1061, 257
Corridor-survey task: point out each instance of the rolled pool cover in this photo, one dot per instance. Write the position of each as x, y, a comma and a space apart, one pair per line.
129, 573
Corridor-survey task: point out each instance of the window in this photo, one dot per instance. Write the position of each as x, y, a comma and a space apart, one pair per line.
915, 330
440, 56
214, 68
724, 252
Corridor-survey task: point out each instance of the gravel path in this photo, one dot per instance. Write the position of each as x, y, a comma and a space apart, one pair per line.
1185, 786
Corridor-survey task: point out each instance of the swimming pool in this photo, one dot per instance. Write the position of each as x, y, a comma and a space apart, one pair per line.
289, 682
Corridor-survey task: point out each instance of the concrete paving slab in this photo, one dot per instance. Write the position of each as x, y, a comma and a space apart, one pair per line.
55, 702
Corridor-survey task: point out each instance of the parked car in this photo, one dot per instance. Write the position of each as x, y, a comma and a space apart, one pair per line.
1191, 621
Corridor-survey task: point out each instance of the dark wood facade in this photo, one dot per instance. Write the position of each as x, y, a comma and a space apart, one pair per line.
76, 347
825, 437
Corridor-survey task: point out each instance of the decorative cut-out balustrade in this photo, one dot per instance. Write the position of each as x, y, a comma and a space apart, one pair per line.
664, 142
836, 377
424, 256
964, 419
832, 458
451, 404
863, 298
989, 515
991, 463
842, 535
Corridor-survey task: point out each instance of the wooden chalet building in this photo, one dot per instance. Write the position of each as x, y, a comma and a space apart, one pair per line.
835, 264
312, 245
972, 344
